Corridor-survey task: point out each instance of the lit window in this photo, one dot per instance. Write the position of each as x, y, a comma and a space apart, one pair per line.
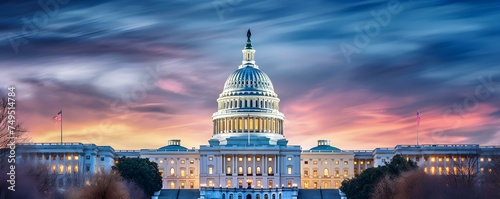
182, 161
249, 159
210, 170
61, 169
482, 159
455, 159
440, 159
228, 159
270, 159
161, 161
325, 172
53, 168
489, 160
433, 159
172, 171
258, 159
182, 185
306, 173
161, 172
240, 170
172, 185
336, 162
490, 170
306, 184
183, 172
258, 170
289, 170
270, 170
191, 172
355, 162
191, 162
447, 159
463, 159
228, 183
249, 170
482, 169
346, 173
346, 162
259, 183
240, 159
326, 162
172, 161
289, 158
315, 173
210, 158
315, 162
433, 170
76, 157
337, 173
362, 162
369, 162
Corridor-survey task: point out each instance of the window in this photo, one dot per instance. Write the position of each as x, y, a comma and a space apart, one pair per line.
336, 162
315, 173
68, 170
306, 162
346, 162
258, 159
315, 162
228, 170
289, 170
210, 183
259, 183
249, 170
346, 173
270, 170
172, 161
191, 185
228, 183
337, 173
161, 172
191, 172
270, 184
355, 162
161, 161
325, 172
249, 159
172, 185
228, 159
240, 159
76, 169
182, 161
440, 159
447, 159
87, 157
306, 173
76, 157
172, 171
289, 158
433, 159
182, 185
240, 170
183, 172
489, 160
210, 170
369, 162
61, 169
482, 159
270, 159
210, 158
191, 162
102, 158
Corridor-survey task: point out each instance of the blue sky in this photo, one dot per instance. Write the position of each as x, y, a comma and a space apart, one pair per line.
133, 74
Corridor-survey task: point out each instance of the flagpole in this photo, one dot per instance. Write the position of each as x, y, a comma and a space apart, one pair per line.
61, 126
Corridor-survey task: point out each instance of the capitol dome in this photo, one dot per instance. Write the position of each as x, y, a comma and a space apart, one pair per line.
248, 105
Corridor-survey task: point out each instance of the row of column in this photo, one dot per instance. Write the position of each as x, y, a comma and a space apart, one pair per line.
264, 164
248, 124
75, 164
248, 103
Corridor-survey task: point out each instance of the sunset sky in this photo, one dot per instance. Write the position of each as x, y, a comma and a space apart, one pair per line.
134, 74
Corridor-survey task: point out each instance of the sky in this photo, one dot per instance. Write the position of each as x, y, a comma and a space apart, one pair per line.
134, 74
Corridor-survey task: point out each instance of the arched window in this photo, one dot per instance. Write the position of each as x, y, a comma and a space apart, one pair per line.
223, 196
240, 170
257, 196
172, 171
258, 170
249, 170
228, 184
325, 172
270, 170
325, 185
249, 196
230, 196
228, 170
265, 196
240, 196
274, 196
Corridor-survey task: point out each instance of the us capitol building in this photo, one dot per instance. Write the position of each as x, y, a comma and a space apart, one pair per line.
248, 155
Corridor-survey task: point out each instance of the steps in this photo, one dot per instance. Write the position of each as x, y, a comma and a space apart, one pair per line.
179, 194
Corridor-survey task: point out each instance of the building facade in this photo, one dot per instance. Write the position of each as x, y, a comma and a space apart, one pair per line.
248, 155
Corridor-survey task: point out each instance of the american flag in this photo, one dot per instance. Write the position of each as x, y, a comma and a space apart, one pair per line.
58, 117
418, 118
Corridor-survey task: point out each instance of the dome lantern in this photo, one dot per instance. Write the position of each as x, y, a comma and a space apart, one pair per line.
248, 53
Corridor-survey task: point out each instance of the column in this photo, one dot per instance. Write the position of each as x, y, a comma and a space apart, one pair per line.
234, 164
262, 168
245, 165
264, 162
254, 169
223, 164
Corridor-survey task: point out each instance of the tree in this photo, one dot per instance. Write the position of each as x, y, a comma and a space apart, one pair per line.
142, 172
103, 186
362, 186
16, 127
